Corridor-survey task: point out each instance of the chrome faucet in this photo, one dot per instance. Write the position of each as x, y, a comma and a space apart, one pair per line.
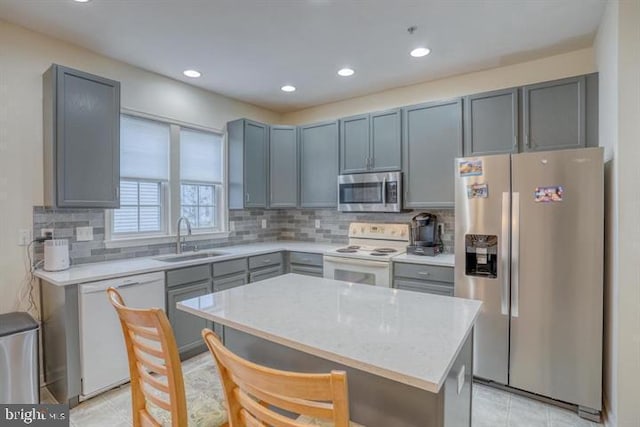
179, 243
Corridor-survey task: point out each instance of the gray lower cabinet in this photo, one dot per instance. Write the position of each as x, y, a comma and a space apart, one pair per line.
187, 327
491, 123
554, 114
306, 263
371, 142
224, 283
423, 278
283, 167
248, 164
431, 140
319, 165
81, 139
263, 267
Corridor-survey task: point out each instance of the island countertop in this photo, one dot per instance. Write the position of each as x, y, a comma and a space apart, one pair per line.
405, 336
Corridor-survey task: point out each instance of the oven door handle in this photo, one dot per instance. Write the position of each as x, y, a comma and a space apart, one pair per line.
357, 262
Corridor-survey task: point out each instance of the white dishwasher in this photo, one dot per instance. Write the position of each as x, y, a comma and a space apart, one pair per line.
103, 355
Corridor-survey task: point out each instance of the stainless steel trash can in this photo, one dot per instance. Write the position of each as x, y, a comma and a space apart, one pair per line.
18, 359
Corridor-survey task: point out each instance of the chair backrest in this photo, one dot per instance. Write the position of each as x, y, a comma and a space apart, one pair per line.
154, 364
250, 390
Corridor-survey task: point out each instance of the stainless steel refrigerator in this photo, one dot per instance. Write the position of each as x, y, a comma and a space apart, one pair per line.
529, 244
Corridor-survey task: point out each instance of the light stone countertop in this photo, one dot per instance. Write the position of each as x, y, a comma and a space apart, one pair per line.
84, 273
444, 260
408, 337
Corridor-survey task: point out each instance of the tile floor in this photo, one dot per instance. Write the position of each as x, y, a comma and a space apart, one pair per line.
491, 407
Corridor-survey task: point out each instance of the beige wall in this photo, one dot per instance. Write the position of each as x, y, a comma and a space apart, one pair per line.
628, 185
24, 56
550, 68
618, 58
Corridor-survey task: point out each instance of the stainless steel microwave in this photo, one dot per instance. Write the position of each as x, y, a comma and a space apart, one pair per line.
370, 192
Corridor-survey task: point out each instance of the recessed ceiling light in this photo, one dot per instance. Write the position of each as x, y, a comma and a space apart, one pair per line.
346, 72
82, 1
288, 88
192, 73
420, 52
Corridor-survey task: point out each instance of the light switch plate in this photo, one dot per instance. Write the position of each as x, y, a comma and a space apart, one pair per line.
264, 223
24, 237
44, 231
84, 234
317, 223
461, 379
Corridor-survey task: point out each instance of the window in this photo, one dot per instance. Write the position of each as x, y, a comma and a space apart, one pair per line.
198, 205
144, 171
200, 178
167, 171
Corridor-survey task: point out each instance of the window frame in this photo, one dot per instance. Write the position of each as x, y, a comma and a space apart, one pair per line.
171, 192
215, 206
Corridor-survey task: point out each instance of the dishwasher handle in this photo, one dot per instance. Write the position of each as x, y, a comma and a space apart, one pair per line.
94, 288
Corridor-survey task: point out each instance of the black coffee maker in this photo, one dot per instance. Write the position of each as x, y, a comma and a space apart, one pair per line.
425, 239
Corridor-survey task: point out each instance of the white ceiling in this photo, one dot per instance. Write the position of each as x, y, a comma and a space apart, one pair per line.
248, 49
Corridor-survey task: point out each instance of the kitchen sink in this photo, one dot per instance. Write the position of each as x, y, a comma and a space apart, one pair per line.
188, 257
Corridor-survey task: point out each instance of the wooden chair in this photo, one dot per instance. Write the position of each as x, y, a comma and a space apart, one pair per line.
250, 389
154, 366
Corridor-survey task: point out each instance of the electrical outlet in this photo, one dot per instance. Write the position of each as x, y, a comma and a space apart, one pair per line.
317, 223
264, 223
44, 231
24, 237
441, 229
84, 234
232, 226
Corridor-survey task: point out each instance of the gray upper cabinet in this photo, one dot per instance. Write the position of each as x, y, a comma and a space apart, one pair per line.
386, 141
319, 165
371, 142
248, 164
491, 123
81, 139
283, 167
432, 139
554, 114
354, 144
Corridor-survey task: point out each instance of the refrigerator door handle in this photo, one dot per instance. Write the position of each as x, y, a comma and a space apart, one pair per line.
515, 253
504, 258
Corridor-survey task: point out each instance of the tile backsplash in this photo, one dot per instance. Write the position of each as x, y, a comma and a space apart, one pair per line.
289, 224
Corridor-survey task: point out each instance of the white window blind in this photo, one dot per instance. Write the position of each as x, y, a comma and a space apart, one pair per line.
140, 207
200, 156
144, 149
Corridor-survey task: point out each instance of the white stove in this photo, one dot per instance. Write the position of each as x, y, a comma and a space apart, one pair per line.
367, 257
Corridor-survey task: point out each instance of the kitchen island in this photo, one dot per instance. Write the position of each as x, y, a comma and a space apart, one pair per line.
408, 356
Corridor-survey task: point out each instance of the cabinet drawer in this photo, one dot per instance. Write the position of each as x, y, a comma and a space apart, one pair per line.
265, 273
233, 266
181, 276
436, 288
305, 258
307, 270
265, 260
229, 282
423, 272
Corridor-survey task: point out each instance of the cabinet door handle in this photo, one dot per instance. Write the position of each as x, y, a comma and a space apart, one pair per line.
266, 261
246, 197
424, 273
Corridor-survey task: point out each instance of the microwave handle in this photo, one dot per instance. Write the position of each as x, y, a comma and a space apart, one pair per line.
384, 191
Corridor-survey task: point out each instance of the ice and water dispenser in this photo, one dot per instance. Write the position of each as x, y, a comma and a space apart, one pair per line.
481, 255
